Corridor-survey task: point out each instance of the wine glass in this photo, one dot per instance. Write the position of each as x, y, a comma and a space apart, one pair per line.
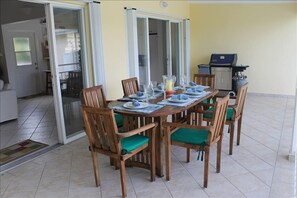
183, 82
161, 86
146, 91
153, 86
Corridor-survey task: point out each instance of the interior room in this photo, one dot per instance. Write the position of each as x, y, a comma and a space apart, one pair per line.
80, 44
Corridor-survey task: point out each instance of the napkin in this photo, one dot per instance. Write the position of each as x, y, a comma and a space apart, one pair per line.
199, 89
180, 97
139, 93
195, 89
192, 84
190, 90
135, 103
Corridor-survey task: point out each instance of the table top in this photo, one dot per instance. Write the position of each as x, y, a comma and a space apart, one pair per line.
166, 110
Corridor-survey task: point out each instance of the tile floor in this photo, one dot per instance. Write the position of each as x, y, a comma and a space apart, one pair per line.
36, 121
258, 167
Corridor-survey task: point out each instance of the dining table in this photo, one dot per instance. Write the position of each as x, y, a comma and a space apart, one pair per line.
158, 109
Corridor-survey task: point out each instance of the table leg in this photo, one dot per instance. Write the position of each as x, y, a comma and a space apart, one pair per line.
159, 151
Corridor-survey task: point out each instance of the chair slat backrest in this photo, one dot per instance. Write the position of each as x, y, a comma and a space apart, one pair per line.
94, 96
205, 79
240, 99
101, 129
130, 86
219, 118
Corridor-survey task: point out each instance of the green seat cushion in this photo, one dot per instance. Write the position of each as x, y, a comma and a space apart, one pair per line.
119, 119
131, 143
190, 136
208, 101
230, 112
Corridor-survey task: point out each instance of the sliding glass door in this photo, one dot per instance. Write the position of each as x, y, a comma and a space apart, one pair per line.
67, 52
156, 47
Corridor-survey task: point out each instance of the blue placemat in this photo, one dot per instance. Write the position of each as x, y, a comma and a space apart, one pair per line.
151, 108
183, 104
192, 99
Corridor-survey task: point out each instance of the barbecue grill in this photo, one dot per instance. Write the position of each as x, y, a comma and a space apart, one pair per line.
228, 75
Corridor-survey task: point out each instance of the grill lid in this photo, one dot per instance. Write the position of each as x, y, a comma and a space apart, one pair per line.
223, 60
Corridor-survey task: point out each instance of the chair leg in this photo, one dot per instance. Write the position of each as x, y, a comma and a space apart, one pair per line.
231, 138
153, 158
123, 178
219, 153
239, 130
188, 155
206, 167
167, 154
96, 167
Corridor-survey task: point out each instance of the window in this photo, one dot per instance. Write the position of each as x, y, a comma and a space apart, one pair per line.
22, 51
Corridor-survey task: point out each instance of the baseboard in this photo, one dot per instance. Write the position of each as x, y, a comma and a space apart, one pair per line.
271, 95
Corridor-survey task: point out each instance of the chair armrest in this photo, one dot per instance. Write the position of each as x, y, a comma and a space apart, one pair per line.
137, 131
182, 125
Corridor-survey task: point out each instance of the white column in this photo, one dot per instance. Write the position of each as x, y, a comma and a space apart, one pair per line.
96, 43
294, 135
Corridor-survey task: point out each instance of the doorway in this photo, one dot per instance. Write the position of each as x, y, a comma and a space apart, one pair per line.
61, 49
157, 46
20, 44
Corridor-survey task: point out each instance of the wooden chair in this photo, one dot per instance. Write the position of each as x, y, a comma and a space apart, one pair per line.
130, 86
104, 138
200, 138
205, 79
95, 97
234, 113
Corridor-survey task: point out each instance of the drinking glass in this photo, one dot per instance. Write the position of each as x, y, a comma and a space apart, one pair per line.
153, 86
161, 86
183, 81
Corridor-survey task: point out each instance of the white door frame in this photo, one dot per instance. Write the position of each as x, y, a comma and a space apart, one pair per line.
132, 15
96, 51
55, 72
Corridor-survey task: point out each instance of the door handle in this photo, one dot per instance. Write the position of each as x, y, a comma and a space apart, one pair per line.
36, 66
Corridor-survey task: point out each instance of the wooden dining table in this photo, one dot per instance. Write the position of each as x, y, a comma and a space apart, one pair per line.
177, 113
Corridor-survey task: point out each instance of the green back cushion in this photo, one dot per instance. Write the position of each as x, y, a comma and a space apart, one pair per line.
119, 119
133, 142
230, 112
190, 136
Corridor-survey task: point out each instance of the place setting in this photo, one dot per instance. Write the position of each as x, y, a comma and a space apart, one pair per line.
138, 106
196, 91
139, 96
180, 100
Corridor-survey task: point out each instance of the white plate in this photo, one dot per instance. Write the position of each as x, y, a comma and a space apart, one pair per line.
177, 100
135, 96
129, 105
194, 93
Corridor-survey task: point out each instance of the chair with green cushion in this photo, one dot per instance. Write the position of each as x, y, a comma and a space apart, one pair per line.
205, 80
130, 86
94, 97
104, 138
199, 138
234, 113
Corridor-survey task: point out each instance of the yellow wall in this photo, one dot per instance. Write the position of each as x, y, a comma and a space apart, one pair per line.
114, 31
263, 35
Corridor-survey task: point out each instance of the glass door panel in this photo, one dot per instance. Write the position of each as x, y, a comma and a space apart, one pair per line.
143, 56
175, 51
69, 67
